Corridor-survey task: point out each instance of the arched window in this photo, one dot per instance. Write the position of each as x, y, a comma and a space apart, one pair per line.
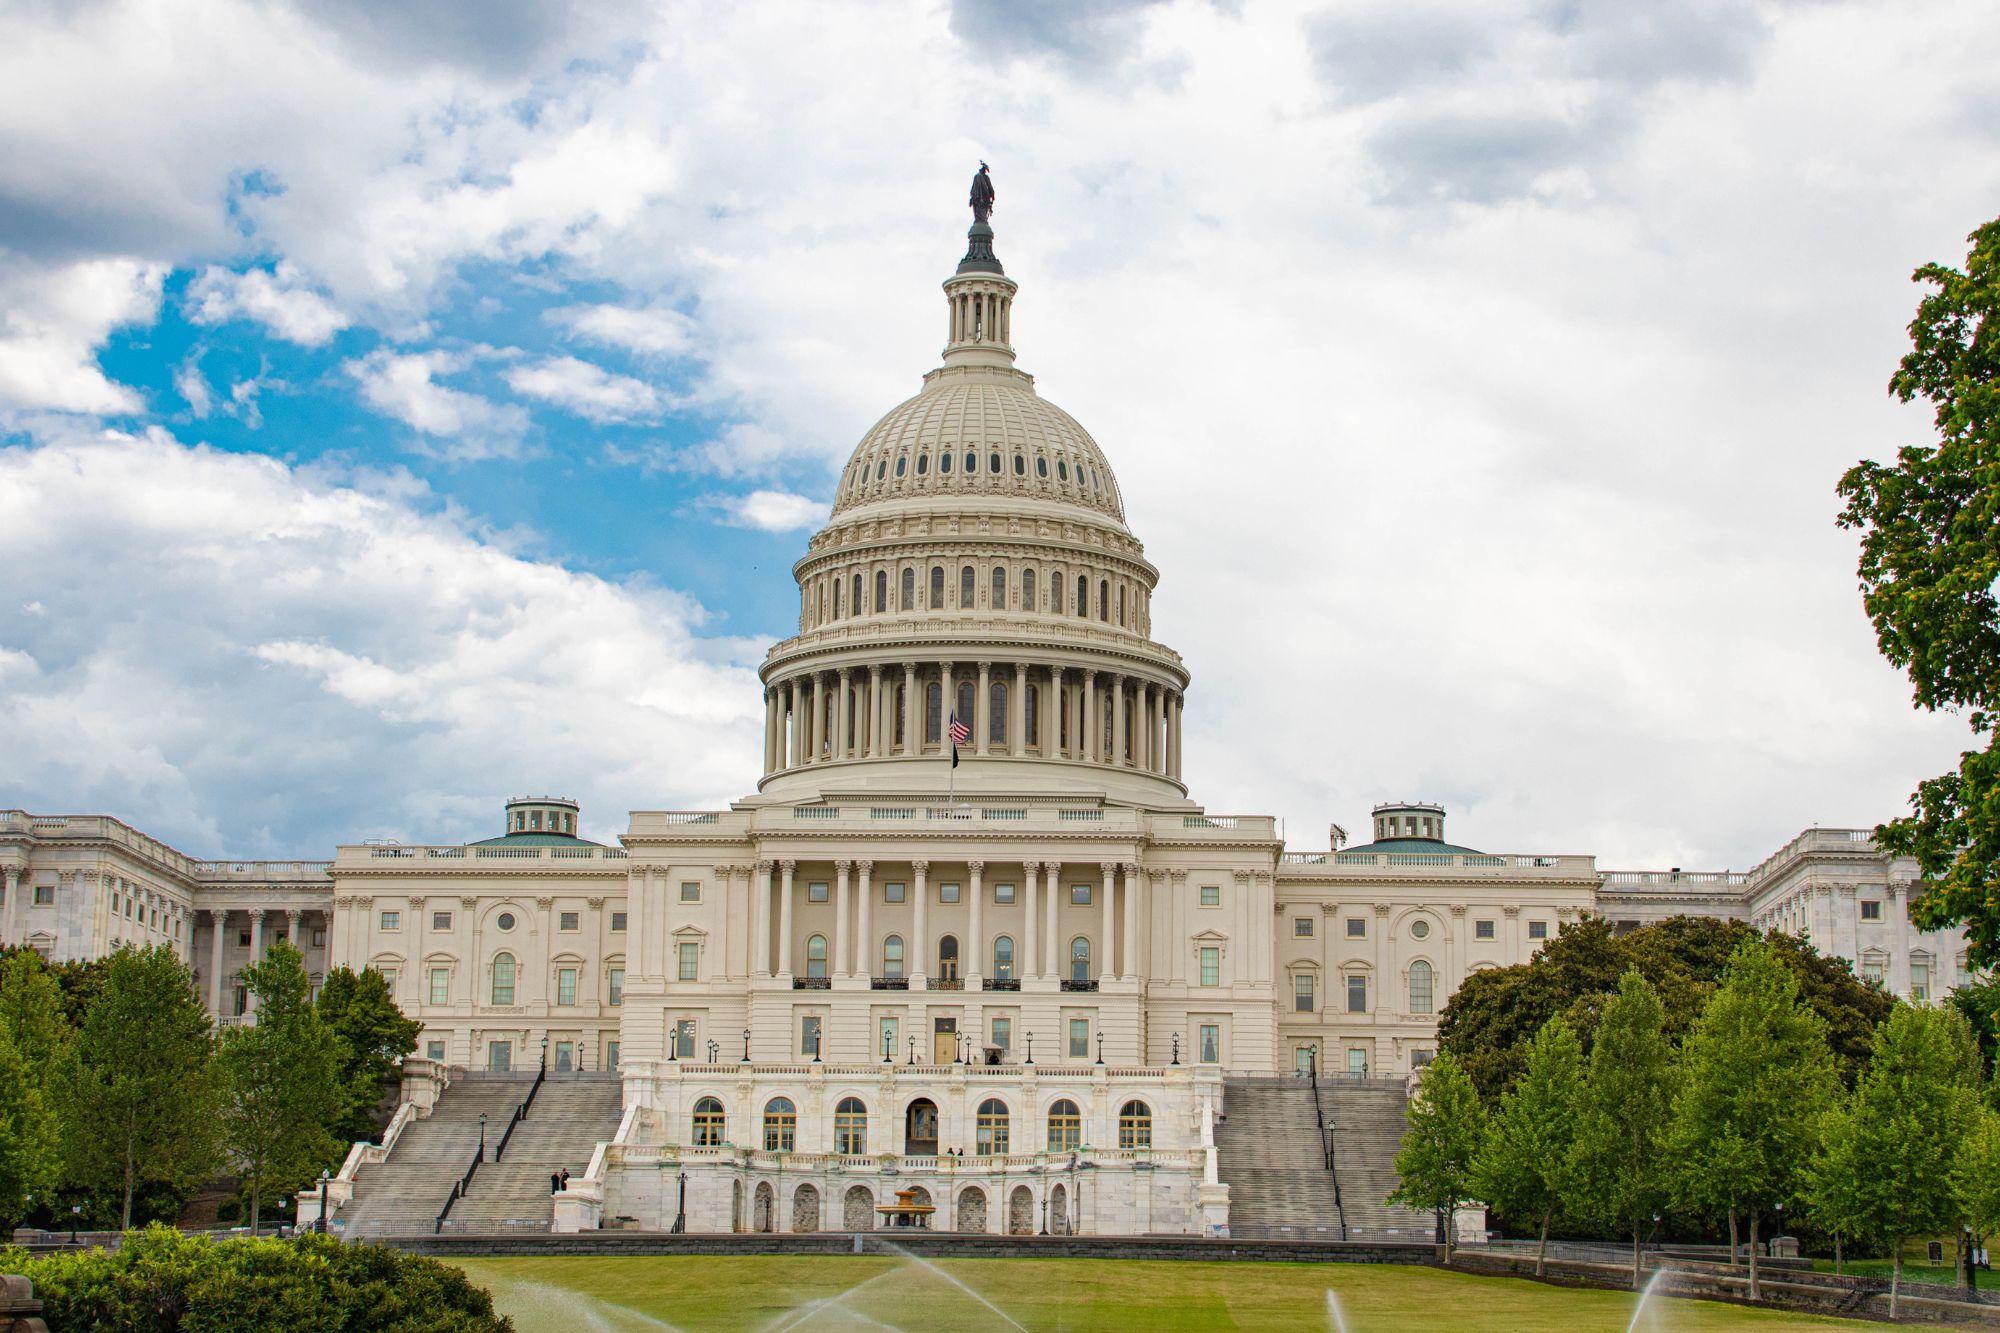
781, 1125
854, 605
909, 589
991, 1139
965, 579
999, 587
1055, 592
933, 712
850, 1127
923, 464
996, 712
1079, 958
993, 463
901, 463
944, 462
1020, 466
1082, 595
1135, 1125
902, 702
1027, 590
971, 461
503, 978
1003, 958
1065, 1126
816, 956
892, 956
708, 1123
1420, 987
836, 598
1041, 466
1121, 604
1103, 600
964, 702
937, 587
881, 591
1032, 716
947, 961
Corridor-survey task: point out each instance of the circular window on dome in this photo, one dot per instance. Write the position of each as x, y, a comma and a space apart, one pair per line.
1020, 466
1420, 930
923, 464
899, 467
881, 469
1042, 468
505, 921
1062, 470
971, 461
993, 464
944, 462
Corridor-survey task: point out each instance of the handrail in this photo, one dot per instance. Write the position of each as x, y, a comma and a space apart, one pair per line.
1326, 1144
460, 1186
521, 1111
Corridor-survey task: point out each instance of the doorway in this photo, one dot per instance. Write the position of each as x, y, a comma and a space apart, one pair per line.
920, 1128
944, 1040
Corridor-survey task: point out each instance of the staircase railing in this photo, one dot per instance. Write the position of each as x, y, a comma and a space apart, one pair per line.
521, 1111
1326, 1143
460, 1186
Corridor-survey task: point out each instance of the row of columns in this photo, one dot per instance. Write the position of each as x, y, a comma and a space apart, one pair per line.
1040, 950
878, 712
220, 919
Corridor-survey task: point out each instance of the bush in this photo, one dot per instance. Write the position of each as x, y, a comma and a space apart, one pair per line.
160, 1281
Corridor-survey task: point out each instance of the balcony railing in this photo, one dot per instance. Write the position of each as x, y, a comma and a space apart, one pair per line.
1078, 986
943, 983
1001, 983
812, 983
888, 983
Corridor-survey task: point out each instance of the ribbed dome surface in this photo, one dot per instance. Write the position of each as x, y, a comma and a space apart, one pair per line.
979, 432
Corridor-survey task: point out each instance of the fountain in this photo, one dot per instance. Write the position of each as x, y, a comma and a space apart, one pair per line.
1336, 1322
937, 1272
906, 1213
1639, 1310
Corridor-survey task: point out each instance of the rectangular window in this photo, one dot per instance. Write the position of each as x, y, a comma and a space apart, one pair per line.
567, 921
1538, 930
892, 893
1357, 995
690, 961
565, 985
1357, 928
242, 1000
611, 1055
319, 939
1079, 895
45, 895
500, 1056
816, 893
1211, 1043
434, 1050
1871, 909
683, 1039
1003, 893
1357, 1062
1482, 930
889, 1032
618, 921
1871, 970
1211, 895
809, 1035
1211, 965
1003, 1033
1420, 1059
690, 891
1302, 993
1079, 1038
1920, 983
392, 920
1302, 927
947, 893
617, 980
440, 920
440, 985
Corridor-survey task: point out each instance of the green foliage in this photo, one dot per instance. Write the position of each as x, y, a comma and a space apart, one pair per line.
160, 1281
1979, 1002
374, 1035
1446, 1124
1930, 553
31, 1008
1496, 1012
1520, 1167
28, 1144
138, 1099
1617, 1174
281, 1079
80, 982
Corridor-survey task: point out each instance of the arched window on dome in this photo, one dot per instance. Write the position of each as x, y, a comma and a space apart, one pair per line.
933, 709
882, 469
1103, 600
1056, 592
854, 606
1032, 715
881, 591
999, 587
944, 462
971, 462
1082, 596
965, 582
909, 589
923, 464
901, 463
996, 713
993, 463
836, 597
1042, 467
963, 703
1062, 470
902, 703
1020, 466
1027, 590
937, 587
1121, 606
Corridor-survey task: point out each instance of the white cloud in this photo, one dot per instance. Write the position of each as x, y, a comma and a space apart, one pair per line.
771, 511
244, 660
52, 321
280, 299
585, 389
648, 330
404, 385
192, 385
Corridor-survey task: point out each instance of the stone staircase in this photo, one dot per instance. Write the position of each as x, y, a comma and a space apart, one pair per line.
402, 1195
1367, 1116
1267, 1151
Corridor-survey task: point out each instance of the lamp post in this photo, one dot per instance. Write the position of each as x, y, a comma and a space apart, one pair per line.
712, 1049
913, 1048
746, 1046
74, 1210
325, 1175
545, 1053
1100, 1047
888, 1048
1045, 1213
1030, 1060
818, 1037
681, 1217
1177, 1048
482, 1136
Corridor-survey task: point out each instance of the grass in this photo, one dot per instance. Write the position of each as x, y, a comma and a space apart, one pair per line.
612, 1294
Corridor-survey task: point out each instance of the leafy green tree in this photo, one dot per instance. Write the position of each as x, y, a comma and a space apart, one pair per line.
1892, 1149
1755, 1074
374, 1035
138, 1099
1930, 554
28, 1145
1520, 1167
1835, 1180
1617, 1175
1446, 1124
1979, 1001
31, 1009
281, 1080
1975, 1177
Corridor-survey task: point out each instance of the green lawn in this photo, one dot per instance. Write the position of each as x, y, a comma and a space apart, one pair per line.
612, 1295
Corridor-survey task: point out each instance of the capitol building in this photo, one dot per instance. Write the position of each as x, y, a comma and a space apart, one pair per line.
973, 936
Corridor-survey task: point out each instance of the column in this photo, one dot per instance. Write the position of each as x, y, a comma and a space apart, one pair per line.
1052, 922
768, 710
1128, 953
257, 949
1105, 957
1176, 726
1017, 712
785, 918
920, 946
947, 706
795, 716
975, 960
1899, 961
843, 709
878, 716
760, 920
1088, 733
910, 744
982, 709
818, 729
292, 915
221, 920
864, 933
1118, 720
841, 966
1031, 944
11, 881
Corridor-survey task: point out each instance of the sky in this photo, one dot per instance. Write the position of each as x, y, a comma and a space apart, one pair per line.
404, 407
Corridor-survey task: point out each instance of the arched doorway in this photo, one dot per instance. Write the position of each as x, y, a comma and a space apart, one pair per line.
857, 1210
762, 1206
947, 966
1058, 1211
1021, 1212
805, 1208
971, 1209
920, 1128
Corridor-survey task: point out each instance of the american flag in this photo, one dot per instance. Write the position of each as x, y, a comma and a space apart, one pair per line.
960, 733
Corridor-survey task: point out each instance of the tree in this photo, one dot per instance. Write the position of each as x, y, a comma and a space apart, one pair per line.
374, 1035
1892, 1149
138, 1099
31, 1009
1617, 1176
1975, 1179
27, 1135
1520, 1166
281, 1079
1755, 1073
1979, 1001
1835, 1179
1930, 552
1434, 1165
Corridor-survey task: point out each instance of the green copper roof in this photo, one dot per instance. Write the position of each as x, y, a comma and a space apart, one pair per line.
1430, 845
535, 840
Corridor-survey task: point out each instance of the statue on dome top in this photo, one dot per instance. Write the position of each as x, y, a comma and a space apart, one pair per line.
982, 195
